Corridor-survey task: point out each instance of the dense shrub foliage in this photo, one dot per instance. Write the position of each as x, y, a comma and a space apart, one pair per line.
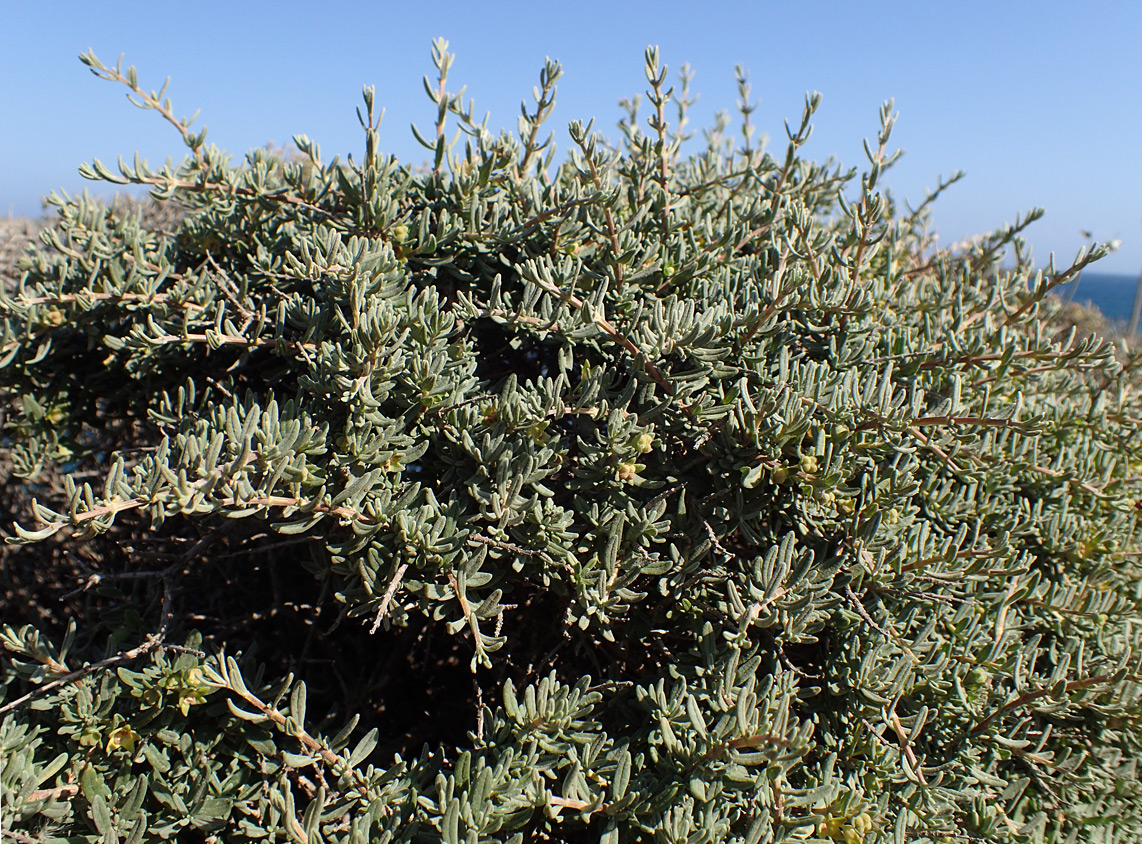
645, 496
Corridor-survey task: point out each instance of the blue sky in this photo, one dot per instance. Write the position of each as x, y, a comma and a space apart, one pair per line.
1039, 102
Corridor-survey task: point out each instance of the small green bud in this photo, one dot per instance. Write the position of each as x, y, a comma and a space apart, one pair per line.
90, 737
978, 676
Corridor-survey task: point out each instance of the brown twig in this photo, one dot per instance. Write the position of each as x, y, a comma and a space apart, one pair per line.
152, 643
1031, 697
906, 748
515, 549
151, 101
388, 596
69, 790
19, 837
465, 607
67, 298
113, 508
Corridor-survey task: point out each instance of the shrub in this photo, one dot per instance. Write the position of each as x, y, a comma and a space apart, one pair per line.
648, 496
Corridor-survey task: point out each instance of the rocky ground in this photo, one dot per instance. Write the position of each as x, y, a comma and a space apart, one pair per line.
15, 234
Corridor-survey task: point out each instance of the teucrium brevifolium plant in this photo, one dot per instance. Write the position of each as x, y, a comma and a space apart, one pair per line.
667, 490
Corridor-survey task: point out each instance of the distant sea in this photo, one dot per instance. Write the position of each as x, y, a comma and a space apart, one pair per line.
1111, 293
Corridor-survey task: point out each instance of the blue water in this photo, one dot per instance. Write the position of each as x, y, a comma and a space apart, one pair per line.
1111, 293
